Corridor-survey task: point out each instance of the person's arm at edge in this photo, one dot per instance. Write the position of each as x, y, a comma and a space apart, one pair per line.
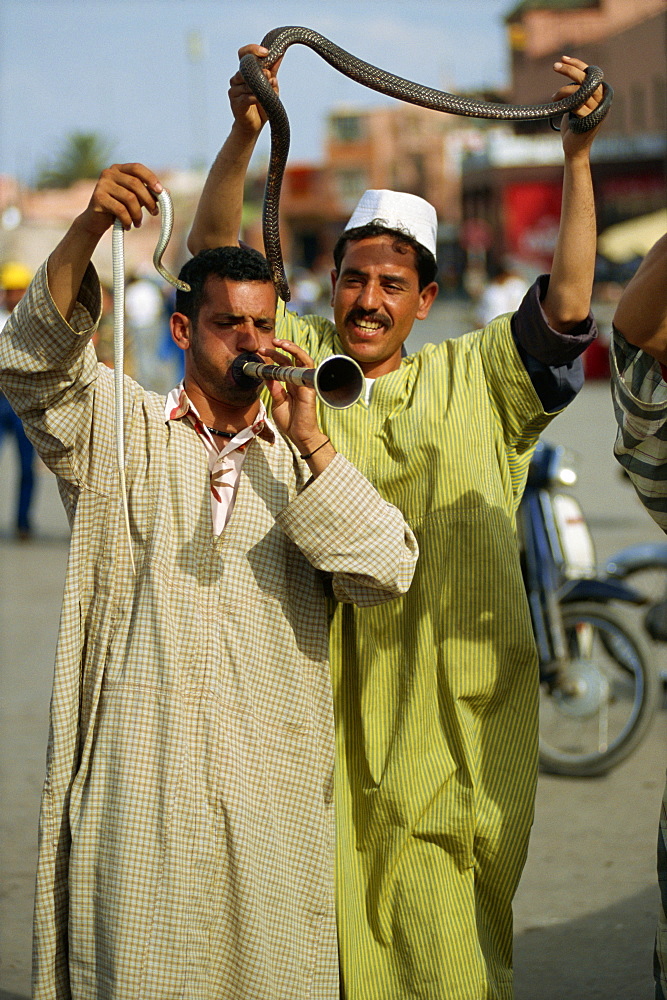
641, 314
217, 220
568, 297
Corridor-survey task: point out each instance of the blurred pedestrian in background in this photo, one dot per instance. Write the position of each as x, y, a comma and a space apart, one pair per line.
145, 314
503, 293
306, 291
14, 279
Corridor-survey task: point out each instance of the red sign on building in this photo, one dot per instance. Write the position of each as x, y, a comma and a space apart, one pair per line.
532, 214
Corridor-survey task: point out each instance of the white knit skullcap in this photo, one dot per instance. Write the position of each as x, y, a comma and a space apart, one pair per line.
397, 210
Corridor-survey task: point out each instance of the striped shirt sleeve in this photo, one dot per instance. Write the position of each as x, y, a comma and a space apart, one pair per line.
640, 406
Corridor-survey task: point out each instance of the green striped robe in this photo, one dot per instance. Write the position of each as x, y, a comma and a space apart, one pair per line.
436, 693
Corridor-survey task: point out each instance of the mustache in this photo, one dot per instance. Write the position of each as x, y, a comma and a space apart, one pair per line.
369, 317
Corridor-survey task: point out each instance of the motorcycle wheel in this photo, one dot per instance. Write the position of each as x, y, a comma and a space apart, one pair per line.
603, 702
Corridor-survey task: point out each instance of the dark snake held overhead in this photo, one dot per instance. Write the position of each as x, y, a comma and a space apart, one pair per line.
279, 40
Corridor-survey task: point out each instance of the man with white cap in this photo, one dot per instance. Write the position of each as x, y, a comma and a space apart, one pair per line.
399, 210
435, 695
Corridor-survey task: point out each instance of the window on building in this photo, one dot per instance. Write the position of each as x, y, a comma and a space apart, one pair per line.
347, 128
351, 184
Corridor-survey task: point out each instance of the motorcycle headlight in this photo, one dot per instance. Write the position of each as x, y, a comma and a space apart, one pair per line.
563, 467
552, 465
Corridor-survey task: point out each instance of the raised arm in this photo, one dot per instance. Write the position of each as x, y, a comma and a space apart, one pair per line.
218, 217
641, 314
48, 368
122, 192
568, 298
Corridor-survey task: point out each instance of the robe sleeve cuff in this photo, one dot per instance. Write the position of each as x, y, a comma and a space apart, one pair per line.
532, 331
343, 526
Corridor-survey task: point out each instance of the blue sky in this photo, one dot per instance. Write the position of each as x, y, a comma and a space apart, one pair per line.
120, 68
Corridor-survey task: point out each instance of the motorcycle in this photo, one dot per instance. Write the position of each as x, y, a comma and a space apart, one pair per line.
599, 688
645, 567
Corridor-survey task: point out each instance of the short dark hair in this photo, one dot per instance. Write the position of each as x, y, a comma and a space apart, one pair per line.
234, 263
425, 262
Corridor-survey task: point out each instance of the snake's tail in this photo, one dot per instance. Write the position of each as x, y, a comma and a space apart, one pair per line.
118, 264
166, 226
126, 514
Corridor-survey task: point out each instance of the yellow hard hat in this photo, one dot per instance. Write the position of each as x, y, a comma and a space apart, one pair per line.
14, 276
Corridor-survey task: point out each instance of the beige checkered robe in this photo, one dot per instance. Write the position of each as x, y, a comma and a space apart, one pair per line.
186, 835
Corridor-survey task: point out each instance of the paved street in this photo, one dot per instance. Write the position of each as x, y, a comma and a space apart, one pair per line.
586, 908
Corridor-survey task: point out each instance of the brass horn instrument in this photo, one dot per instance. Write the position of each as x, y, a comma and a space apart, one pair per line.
338, 380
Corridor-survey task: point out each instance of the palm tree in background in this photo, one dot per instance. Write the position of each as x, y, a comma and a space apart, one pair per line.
83, 156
